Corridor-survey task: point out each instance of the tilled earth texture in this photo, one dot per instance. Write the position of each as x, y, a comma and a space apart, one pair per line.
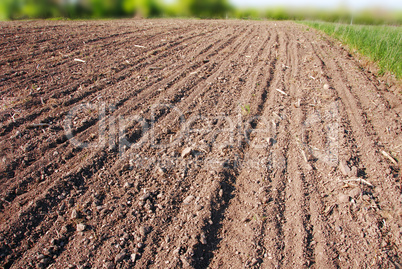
194, 144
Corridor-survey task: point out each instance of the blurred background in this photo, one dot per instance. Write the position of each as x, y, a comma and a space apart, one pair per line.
357, 12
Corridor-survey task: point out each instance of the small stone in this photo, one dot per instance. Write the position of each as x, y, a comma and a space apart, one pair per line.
140, 245
343, 198
120, 257
344, 168
64, 229
203, 239
144, 230
46, 252
17, 134
74, 214
270, 141
177, 251
133, 257
160, 171
145, 196
81, 227
355, 192
62, 207
254, 261
308, 166
186, 152
221, 193
188, 199
127, 185
326, 87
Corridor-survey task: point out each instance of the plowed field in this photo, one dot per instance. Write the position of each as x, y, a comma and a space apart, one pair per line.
194, 144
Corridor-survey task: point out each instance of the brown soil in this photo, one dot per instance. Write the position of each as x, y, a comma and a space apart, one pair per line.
286, 165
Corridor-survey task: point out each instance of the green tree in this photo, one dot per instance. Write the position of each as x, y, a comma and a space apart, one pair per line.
20, 9
7, 9
149, 8
107, 8
146, 8
205, 8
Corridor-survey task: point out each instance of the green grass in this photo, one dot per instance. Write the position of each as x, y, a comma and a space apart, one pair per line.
246, 109
381, 44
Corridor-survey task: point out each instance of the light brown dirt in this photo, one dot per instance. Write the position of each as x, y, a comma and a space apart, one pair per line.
262, 185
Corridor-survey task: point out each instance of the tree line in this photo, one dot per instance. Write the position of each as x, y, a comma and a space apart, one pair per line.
92, 9
25, 9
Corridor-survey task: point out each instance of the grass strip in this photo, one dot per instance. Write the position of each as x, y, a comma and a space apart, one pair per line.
381, 44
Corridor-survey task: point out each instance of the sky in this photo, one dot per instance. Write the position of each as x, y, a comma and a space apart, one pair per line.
352, 4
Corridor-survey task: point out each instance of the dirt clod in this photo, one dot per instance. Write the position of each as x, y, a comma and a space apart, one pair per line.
145, 196
355, 192
203, 239
344, 168
133, 257
120, 257
343, 198
188, 199
144, 230
81, 227
186, 152
127, 185
75, 214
